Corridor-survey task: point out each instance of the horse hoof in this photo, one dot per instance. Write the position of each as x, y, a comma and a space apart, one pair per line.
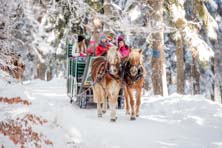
113, 120
132, 118
104, 111
137, 115
127, 113
99, 115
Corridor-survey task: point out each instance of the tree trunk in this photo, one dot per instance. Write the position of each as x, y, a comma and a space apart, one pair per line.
108, 13
158, 59
213, 80
180, 66
41, 69
48, 74
95, 37
221, 91
196, 76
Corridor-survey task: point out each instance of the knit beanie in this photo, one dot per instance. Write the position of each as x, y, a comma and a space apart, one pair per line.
120, 38
103, 36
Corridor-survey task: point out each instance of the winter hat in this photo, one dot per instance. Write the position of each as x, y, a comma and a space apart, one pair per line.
80, 38
120, 38
110, 36
103, 36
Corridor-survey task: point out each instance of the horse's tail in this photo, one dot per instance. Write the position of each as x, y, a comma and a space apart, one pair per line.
98, 68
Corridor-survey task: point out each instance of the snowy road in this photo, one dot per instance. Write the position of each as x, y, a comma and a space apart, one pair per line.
173, 122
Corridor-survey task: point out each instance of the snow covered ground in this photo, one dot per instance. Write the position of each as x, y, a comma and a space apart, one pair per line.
172, 122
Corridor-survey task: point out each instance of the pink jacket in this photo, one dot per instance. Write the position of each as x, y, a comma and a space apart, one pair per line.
124, 51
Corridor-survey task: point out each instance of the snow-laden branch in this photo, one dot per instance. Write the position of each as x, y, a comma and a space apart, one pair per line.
188, 31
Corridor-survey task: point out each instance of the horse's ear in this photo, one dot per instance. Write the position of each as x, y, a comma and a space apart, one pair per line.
140, 51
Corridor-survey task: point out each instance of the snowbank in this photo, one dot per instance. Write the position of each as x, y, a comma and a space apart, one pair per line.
176, 121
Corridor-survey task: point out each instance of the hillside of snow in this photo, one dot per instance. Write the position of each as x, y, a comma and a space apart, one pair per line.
51, 121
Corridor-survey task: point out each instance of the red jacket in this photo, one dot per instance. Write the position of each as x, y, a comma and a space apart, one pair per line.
101, 50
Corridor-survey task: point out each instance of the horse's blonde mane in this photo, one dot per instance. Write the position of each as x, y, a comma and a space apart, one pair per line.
112, 52
136, 54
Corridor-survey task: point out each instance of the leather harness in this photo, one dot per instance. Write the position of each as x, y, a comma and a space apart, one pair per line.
128, 78
124, 73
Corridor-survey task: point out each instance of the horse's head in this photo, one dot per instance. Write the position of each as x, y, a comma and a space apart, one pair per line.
135, 61
113, 60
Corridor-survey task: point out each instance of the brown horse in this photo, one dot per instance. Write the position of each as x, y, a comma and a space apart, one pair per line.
106, 77
134, 74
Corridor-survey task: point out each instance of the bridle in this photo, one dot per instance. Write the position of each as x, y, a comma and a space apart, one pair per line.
132, 78
130, 66
117, 65
137, 66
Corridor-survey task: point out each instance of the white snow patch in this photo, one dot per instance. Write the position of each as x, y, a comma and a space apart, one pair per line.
175, 121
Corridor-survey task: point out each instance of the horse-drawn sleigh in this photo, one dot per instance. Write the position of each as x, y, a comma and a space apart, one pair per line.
99, 78
79, 81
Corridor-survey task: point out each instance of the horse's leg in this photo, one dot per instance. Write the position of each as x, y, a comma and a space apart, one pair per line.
126, 95
138, 101
130, 92
99, 112
104, 103
113, 96
113, 103
99, 99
